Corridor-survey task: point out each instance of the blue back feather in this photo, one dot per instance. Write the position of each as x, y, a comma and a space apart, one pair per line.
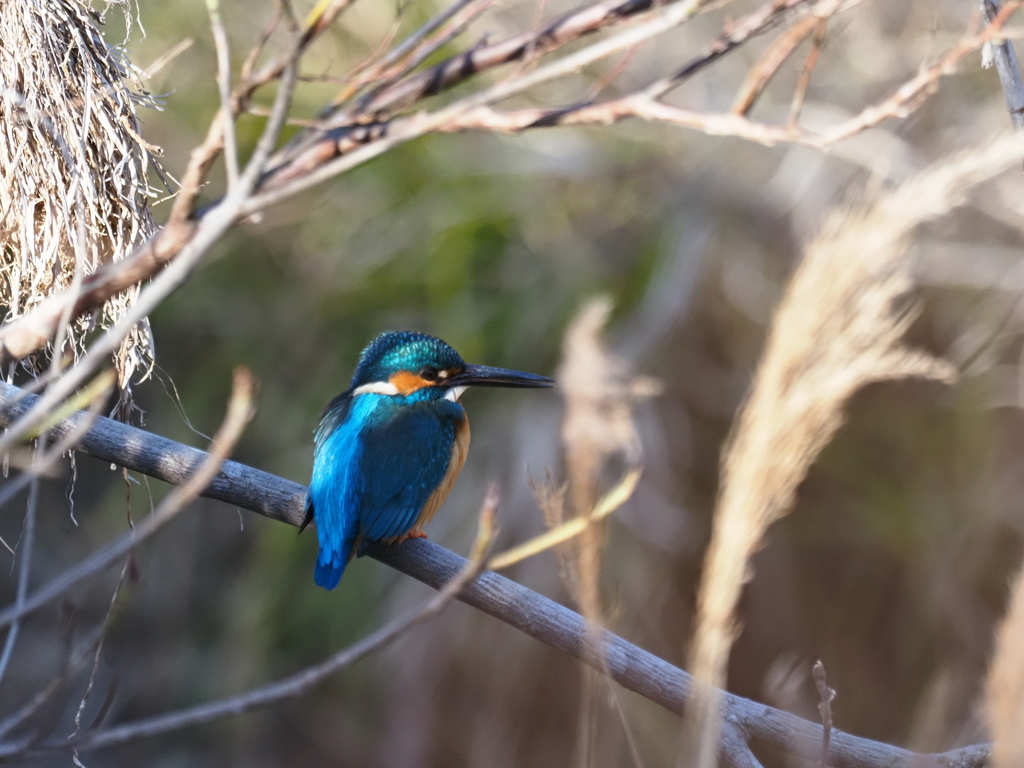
335, 479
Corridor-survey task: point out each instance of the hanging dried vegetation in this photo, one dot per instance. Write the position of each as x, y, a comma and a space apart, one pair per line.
75, 169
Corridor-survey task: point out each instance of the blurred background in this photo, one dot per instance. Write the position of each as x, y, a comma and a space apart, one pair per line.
892, 569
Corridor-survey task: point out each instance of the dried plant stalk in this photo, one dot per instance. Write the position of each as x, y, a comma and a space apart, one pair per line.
600, 393
74, 167
1004, 688
838, 327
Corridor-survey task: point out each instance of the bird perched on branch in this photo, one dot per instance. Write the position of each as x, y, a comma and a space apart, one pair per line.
388, 449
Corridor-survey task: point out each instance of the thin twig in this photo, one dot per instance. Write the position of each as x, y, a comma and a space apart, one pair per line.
309, 151
804, 80
104, 629
761, 20
25, 548
1006, 65
641, 105
779, 52
423, 52
240, 409
220, 40
299, 178
825, 697
322, 18
571, 26
412, 41
75, 660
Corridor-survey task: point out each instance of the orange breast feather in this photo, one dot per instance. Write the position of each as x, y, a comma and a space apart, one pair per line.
459, 450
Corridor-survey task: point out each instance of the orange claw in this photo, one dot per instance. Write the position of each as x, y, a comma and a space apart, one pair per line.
415, 533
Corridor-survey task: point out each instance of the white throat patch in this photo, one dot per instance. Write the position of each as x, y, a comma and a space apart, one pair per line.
376, 388
453, 393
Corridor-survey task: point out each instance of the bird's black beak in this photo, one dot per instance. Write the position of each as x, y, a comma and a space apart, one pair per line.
486, 376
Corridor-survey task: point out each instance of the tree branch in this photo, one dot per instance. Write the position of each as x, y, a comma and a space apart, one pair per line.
1006, 65
535, 615
346, 139
645, 105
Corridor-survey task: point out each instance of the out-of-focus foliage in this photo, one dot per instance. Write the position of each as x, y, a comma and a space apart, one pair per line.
891, 569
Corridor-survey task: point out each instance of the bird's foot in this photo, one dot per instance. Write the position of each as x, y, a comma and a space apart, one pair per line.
416, 533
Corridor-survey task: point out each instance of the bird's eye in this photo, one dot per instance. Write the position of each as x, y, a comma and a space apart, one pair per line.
428, 373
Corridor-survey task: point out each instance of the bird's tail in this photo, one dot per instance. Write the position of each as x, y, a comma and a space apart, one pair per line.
330, 564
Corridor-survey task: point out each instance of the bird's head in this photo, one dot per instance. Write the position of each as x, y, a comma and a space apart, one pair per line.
410, 364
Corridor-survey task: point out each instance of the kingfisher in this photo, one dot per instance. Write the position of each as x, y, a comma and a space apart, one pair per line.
388, 449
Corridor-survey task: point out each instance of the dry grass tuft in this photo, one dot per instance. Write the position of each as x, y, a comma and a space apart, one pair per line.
600, 393
75, 178
838, 328
1004, 688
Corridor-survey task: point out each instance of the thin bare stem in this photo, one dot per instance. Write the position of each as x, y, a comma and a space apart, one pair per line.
107, 620
1006, 66
641, 105
75, 660
220, 40
240, 409
412, 41
768, 65
804, 81
25, 548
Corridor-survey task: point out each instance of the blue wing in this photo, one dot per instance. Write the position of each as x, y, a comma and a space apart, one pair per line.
376, 464
334, 487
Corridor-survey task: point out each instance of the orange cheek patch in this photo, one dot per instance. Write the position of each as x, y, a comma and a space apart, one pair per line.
407, 382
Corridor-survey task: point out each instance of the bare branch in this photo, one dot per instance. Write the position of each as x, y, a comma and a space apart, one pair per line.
525, 610
413, 41
322, 162
642, 105
555, 34
770, 62
804, 81
736, 34
104, 629
220, 40
1006, 65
